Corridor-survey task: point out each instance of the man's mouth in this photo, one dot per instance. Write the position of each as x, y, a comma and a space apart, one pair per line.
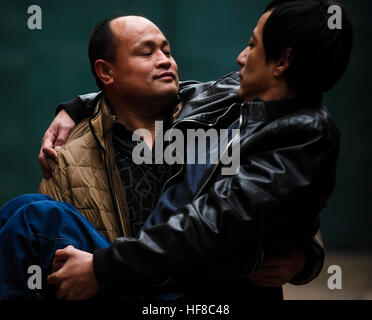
165, 76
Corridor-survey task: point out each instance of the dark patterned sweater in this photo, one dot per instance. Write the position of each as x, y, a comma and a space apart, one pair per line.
142, 183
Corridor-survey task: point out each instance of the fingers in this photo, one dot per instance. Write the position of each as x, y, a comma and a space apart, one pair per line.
60, 257
274, 272
55, 136
53, 278
47, 151
64, 125
57, 264
56, 277
50, 152
45, 168
48, 143
63, 254
62, 136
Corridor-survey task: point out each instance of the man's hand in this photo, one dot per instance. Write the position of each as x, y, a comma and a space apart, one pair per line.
55, 137
73, 274
276, 272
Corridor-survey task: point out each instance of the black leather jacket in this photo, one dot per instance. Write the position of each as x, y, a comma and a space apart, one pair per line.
288, 156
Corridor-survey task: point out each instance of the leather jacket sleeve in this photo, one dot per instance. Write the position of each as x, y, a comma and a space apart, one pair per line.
80, 107
83, 105
273, 202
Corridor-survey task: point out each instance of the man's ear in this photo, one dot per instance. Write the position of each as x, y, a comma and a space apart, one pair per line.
284, 62
104, 71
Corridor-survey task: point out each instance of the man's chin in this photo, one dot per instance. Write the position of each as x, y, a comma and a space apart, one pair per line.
170, 92
241, 93
167, 96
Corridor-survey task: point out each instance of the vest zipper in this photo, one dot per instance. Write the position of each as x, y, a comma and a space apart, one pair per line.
124, 229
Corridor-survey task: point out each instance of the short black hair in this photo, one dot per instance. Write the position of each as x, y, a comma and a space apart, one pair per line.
320, 55
102, 45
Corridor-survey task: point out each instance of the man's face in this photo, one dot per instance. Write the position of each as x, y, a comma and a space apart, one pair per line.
255, 75
144, 68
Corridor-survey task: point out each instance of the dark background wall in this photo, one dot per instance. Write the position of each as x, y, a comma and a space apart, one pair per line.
40, 68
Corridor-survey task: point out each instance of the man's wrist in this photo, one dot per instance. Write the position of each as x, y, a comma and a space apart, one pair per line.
72, 107
80, 107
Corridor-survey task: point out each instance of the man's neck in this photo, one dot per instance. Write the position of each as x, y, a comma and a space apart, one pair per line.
277, 92
135, 117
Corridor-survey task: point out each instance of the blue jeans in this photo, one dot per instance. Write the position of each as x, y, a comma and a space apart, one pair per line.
32, 228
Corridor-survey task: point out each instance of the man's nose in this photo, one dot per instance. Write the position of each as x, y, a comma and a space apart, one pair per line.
242, 57
163, 61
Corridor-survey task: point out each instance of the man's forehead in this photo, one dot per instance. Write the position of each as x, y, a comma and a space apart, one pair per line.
151, 41
136, 29
257, 31
254, 34
261, 22
131, 20
133, 24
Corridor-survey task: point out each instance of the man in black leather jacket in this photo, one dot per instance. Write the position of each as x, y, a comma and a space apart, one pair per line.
288, 150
